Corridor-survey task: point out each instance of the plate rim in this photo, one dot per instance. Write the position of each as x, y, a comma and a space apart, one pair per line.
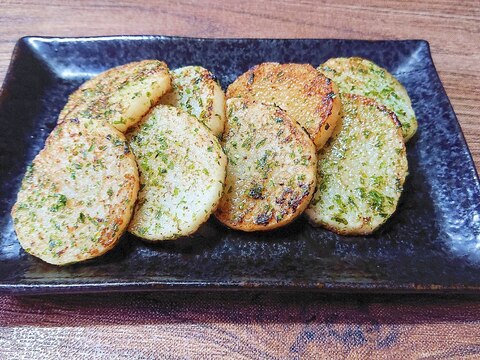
15, 288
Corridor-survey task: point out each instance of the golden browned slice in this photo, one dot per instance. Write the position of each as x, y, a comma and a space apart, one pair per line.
121, 95
308, 97
271, 167
77, 196
182, 172
363, 77
361, 170
196, 91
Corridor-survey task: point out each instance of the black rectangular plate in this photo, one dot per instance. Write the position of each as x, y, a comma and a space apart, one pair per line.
432, 243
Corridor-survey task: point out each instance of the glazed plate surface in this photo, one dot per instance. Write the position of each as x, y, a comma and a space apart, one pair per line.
431, 244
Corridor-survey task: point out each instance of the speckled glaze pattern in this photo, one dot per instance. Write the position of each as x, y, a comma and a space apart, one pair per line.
432, 242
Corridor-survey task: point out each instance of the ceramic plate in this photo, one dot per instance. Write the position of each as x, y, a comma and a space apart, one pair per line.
432, 242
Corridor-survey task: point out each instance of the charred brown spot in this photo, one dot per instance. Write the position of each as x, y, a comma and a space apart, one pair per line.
256, 192
285, 195
295, 202
306, 189
251, 79
366, 220
324, 110
61, 252
213, 77
263, 218
331, 95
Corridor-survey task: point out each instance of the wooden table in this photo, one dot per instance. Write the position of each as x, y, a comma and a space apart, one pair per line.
255, 325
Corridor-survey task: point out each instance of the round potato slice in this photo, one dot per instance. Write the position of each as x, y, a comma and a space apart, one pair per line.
271, 171
308, 97
361, 170
182, 172
77, 197
196, 91
362, 77
121, 95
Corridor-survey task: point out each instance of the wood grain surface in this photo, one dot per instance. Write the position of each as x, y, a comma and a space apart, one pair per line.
254, 326
240, 326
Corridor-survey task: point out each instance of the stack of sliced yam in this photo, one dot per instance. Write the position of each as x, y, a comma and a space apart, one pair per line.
277, 114
362, 168
346, 109
119, 160
157, 152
